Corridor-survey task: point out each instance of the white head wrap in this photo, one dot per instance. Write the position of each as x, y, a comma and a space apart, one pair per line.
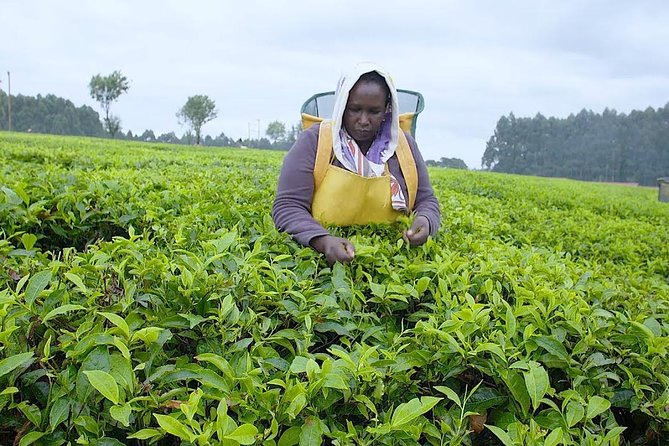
344, 86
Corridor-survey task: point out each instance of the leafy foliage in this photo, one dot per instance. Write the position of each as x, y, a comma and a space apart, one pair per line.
146, 298
50, 114
105, 90
197, 111
587, 146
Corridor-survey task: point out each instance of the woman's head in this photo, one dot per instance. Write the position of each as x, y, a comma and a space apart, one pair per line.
368, 102
365, 96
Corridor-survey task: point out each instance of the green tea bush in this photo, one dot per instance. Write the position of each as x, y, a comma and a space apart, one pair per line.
146, 298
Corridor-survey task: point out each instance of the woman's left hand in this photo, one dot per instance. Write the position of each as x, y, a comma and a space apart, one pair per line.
418, 233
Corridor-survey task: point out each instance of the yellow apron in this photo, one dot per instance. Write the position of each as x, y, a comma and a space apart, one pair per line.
344, 198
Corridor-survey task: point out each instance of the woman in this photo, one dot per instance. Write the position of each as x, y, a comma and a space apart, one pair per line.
360, 168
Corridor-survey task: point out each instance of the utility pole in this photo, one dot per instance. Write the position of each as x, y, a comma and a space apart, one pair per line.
9, 101
258, 129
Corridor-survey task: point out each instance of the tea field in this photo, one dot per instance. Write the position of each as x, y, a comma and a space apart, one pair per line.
146, 298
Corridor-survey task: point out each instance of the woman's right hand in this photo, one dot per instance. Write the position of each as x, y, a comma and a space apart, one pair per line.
336, 249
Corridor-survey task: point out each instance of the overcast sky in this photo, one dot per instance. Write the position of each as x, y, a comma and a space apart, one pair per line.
473, 61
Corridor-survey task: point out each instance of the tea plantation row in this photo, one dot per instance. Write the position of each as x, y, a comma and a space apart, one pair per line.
146, 298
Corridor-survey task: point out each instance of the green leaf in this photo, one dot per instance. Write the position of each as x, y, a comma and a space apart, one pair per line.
244, 434
193, 319
312, 432
218, 361
117, 321
28, 241
643, 330
36, 285
59, 412
30, 438
104, 383
596, 406
77, 281
145, 434
484, 398
537, 383
175, 427
422, 284
299, 364
554, 437
290, 437
121, 414
450, 394
149, 334
575, 413
492, 348
32, 412
13, 362
61, 310
404, 413
10, 391
296, 405
552, 346
501, 434
614, 433
517, 387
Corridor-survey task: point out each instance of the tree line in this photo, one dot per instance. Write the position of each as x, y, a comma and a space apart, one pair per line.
50, 114
610, 146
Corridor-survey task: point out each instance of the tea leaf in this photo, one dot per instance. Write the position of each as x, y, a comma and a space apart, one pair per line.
31, 437
501, 435
596, 405
117, 321
144, 434
290, 437
406, 412
36, 285
121, 414
536, 381
60, 411
104, 383
244, 434
13, 362
61, 310
312, 433
174, 427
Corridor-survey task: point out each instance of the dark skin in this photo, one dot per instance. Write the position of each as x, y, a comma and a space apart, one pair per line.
364, 113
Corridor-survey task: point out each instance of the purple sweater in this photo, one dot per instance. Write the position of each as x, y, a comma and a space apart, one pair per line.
292, 207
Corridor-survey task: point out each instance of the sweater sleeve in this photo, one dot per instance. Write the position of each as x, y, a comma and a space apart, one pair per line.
291, 211
426, 203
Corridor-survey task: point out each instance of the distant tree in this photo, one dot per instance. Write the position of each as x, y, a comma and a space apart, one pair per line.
197, 111
453, 163
148, 136
170, 137
276, 131
105, 90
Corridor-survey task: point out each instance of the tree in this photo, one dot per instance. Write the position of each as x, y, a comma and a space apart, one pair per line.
276, 131
197, 111
453, 163
105, 90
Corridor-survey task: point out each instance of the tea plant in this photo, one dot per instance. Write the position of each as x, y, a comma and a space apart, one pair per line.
146, 298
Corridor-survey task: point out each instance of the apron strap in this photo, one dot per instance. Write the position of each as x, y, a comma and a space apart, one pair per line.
408, 168
323, 153
403, 152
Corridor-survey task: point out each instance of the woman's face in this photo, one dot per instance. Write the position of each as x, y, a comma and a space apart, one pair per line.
364, 113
